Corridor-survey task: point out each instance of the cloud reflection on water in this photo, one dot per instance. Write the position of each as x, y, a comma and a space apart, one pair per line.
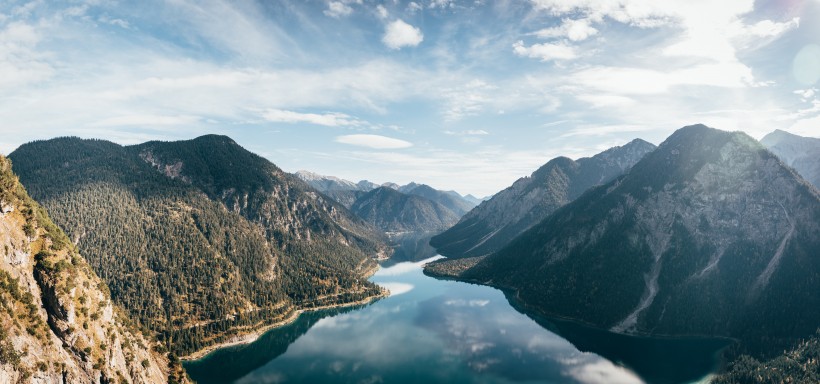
404, 267
396, 288
436, 331
492, 340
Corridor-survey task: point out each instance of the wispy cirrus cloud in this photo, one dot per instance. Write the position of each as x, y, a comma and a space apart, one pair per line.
572, 29
545, 51
468, 132
333, 119
373, 141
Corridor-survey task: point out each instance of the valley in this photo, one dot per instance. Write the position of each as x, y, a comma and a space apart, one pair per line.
288, 257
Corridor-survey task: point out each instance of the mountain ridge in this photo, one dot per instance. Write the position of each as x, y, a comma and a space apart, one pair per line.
507, 214
160, 220
709, 222
58, 322
394, 211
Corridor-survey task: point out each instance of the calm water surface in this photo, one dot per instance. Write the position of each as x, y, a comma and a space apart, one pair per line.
437, 331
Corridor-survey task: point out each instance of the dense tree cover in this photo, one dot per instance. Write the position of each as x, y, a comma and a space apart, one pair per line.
394, 211
451, 200
798, 365
48, 289
200, 239
708, 235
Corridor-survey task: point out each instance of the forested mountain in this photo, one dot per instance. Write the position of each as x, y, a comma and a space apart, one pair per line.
798, 152
200, 239
346, 192
495, 222
393, 211
450, 199
57, 323
710, 234
798, 365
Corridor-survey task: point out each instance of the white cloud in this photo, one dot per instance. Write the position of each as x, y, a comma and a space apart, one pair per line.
399, 34
238, 27
146, 121
337, 9
442, 4
20, 61
575, 30
768, 28
466, 100
627, 81
381, 12
114, 21
598, 100
413, 7
373, 141
326, 119
641, 13
806, 94
545, 51
711, 31
468, 132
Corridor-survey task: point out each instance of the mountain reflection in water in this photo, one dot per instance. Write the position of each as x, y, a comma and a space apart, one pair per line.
440, 331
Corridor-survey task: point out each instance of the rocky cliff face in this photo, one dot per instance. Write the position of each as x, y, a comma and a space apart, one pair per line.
491, 225
710, 234
57, 323
798, 152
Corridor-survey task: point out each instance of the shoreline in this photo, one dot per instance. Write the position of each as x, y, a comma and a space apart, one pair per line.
255, 334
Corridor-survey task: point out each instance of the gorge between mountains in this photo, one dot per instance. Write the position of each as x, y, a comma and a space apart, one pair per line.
693, 260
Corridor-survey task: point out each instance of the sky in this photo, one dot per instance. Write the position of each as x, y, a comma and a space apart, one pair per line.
461, 95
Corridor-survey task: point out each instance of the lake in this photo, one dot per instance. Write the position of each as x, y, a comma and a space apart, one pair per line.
442, 331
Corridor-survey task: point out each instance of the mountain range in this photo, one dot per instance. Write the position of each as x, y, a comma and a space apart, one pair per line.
201, 240
392, 207
495, 222
393, 211
709, 234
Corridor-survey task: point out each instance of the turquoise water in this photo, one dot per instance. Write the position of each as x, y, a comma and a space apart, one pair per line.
439, 331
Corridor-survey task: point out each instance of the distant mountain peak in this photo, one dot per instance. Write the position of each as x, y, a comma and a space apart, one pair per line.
798, 152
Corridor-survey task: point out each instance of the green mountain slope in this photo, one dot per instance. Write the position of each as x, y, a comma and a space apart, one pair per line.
57, 322
710, 234
393, 211
200, 239
451, 200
